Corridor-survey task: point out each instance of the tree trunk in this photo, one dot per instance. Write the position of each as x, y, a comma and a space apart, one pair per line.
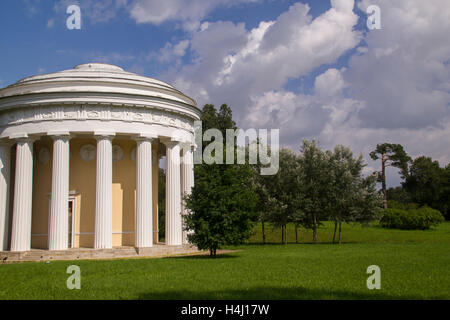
285, 234
340, 228
335, 228
383, 180
296, 233
314, 229
282, 234
263, 232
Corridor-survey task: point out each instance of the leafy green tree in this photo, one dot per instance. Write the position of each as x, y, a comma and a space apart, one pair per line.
445, 200
223, 200
263, 207
264, 204
280, 197
398, 194
315, 185
352, 197
345, 177
392, 155
369, 202
428, 183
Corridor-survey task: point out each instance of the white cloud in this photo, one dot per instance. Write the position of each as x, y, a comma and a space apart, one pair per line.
404, 74
188, 13
170, 53
235, 65
395, 88
329, 83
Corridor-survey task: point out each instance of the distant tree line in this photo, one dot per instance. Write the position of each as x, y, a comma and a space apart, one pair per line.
310, 187
425, 182
315, 186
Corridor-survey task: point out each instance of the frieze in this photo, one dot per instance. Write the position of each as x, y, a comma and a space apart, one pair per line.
88, 112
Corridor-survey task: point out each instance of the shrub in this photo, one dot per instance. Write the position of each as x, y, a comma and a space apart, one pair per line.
403, 206
413, 219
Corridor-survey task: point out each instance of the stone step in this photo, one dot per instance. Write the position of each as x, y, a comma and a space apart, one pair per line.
158, 250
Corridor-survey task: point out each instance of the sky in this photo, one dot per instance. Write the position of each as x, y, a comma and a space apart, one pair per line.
312, 69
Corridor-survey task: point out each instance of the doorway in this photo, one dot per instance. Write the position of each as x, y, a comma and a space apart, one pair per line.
71, 222
71, 217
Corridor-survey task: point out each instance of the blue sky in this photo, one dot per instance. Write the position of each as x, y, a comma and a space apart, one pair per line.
310, 68
34, 47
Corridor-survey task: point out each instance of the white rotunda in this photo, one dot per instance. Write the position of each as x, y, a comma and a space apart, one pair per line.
79, 159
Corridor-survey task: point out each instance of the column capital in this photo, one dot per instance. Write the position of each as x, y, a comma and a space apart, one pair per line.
170, 142
146, 136
100, 135
59, 135
22, 137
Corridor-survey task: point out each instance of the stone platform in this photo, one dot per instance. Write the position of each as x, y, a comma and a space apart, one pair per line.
158, 250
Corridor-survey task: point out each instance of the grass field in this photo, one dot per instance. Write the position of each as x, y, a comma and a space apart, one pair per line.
414, 265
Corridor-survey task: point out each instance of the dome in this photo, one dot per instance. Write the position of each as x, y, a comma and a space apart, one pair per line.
94, 78
92, 96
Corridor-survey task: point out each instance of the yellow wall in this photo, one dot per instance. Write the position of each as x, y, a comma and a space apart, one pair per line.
41, 194
82, 185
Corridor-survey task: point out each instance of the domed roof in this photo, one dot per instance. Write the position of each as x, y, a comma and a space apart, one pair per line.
91, 79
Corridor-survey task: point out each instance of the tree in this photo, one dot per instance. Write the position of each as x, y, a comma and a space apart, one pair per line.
427, 183
265, 203
352, 197
279, 193
314, 186
391, 155
345, 177
368, 201
445, 200
223, 200
263, 207
398, 194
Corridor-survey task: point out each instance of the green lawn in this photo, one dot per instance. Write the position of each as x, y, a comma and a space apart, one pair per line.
414, 265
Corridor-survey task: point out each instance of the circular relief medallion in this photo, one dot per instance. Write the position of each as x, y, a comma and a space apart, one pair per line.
88, 152
117, 153
133, 154
44, 155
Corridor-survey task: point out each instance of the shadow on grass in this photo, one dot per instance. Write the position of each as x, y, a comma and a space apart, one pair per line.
275, 293
219, 256
299, 243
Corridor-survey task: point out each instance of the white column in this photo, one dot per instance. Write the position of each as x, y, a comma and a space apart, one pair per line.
173, 195
23, 194
144, 203
5, 161
58, 235
103, 195
155, 177
187, 179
